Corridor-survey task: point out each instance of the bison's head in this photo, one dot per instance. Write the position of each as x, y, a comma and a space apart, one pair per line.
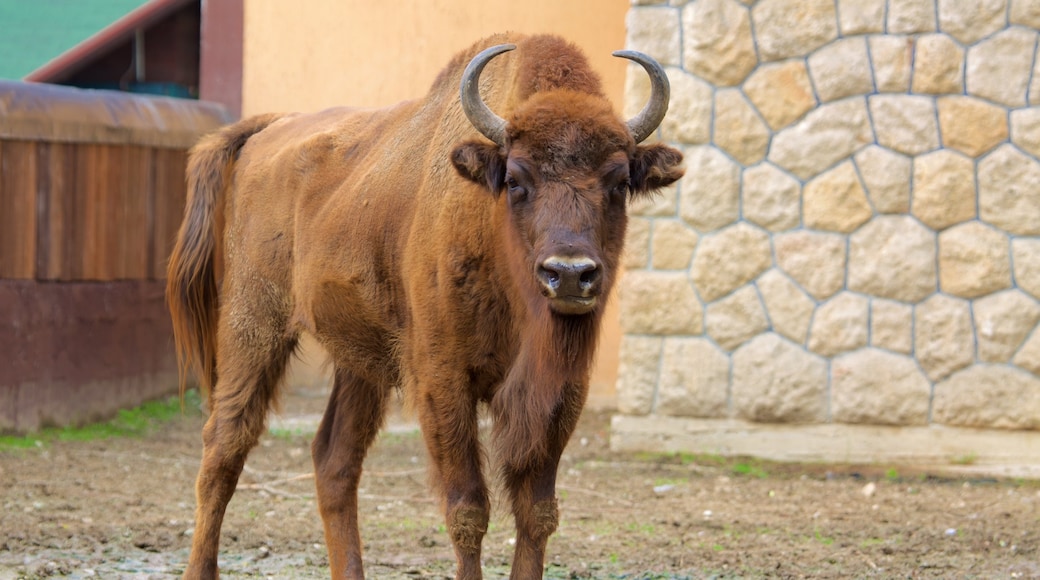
566, 166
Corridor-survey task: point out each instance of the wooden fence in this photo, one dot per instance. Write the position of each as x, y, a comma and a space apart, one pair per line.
91, 194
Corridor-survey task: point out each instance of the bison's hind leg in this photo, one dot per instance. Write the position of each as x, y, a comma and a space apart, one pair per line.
352, 419
254, 344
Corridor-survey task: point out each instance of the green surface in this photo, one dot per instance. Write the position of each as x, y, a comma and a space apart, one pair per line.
134, 422
33, 32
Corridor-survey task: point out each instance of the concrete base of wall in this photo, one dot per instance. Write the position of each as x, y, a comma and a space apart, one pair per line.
935, 448
77, 352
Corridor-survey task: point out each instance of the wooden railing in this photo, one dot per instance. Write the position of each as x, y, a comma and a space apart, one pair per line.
91, 194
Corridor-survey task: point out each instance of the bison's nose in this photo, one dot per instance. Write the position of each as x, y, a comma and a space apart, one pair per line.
569, 277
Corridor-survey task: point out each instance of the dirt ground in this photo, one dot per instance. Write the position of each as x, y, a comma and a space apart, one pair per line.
122, 508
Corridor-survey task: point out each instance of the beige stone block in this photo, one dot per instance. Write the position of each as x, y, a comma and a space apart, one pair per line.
659, 303
1026, 256
970, 21
943, 340
825, 136
878, 387
636, 255
891, 325
772, 198
886, 175
710, 191
1008, 194
905, 123
1025, 129
998, 67
775, 381
892, 257
1002, 323
638, 362
892, 56
971, 125
861, 16
717, 44
989, 397
728, 259
841, 69
910, 16
694, 379
1025, 12
938, 65
655, 31
973, 260
1034, 85
840, 325
673, 244
789, 308
736, 319
781, 91
789, 28
1028, 357
660, 204
835, 200
944, 189
689, 110
739, 130
815, 260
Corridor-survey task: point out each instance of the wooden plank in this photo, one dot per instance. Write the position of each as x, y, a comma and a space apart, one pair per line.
137, 206
17, 209
62, 175
76, 213
170, 193
55, 171
92, 183
115, 217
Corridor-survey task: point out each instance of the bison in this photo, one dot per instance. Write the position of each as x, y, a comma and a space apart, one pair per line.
463, 270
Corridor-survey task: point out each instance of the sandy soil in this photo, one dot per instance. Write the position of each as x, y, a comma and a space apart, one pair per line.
122, 508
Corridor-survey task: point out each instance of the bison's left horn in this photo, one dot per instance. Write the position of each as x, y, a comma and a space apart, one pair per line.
483, 118
646, 122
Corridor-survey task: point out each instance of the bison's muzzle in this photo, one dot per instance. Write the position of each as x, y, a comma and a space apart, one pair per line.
572, 284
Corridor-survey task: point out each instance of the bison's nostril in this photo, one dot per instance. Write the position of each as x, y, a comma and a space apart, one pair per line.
549, 276
588, 277
568, 276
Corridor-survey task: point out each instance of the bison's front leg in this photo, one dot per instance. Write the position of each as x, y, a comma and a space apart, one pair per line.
532, 488
448, 416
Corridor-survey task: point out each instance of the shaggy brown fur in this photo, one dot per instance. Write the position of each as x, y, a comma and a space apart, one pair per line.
355, 226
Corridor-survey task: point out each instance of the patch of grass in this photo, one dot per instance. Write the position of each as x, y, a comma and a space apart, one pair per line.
289, 435
968, 459
822, 539
134, 422
646, 529
892, 474
750, 469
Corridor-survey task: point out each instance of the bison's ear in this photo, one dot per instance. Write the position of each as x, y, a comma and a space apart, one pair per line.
653, 167
481, 163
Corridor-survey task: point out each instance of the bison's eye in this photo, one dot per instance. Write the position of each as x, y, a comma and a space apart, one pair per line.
517, 192
621, 189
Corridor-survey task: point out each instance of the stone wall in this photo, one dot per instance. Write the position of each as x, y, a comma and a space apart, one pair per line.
857, 237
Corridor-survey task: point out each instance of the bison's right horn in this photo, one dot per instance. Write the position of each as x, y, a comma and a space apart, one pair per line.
487, 122
646, 122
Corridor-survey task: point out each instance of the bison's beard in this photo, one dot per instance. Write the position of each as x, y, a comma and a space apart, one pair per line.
547, 383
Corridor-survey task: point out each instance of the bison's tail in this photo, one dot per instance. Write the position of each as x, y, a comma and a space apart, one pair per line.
191, 276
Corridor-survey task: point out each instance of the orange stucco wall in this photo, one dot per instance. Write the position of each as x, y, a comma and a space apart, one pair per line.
323, 53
